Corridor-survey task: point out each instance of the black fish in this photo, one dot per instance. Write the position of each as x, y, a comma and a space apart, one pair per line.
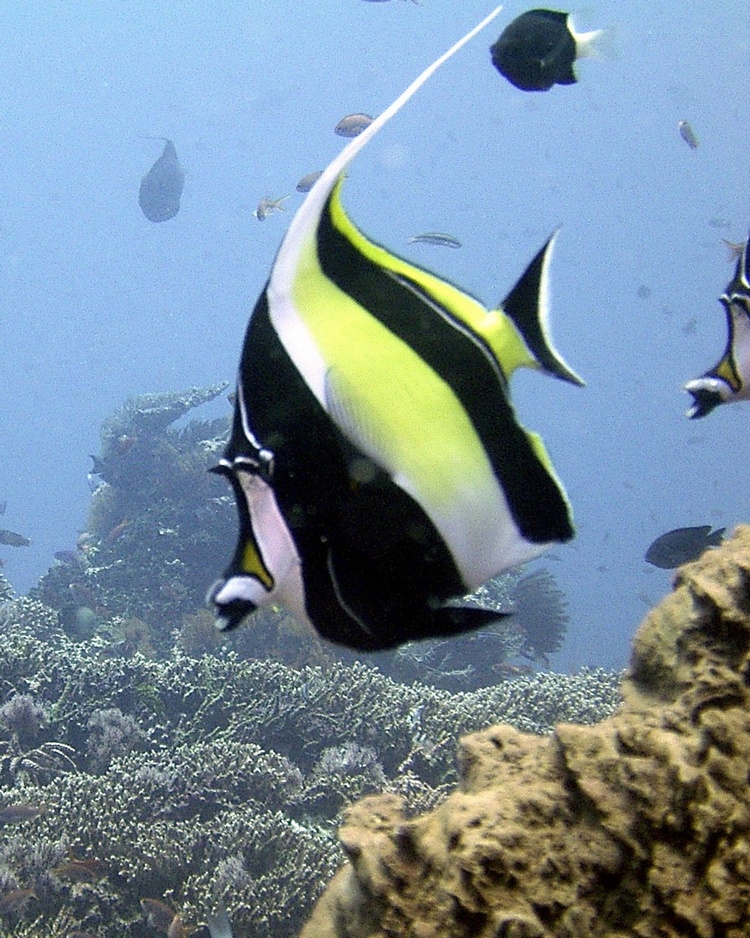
729, 379
11, 539
681, 545
161, 187
537, 50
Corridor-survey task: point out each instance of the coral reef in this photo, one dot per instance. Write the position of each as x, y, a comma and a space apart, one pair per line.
145, 756
157, 523
206, 780
160, 525
638, 826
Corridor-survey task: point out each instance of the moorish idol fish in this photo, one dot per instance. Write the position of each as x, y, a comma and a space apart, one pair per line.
379, 470
729, 380
161, 187
539, 48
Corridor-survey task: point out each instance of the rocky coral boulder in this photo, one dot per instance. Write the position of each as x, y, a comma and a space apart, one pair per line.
639, 826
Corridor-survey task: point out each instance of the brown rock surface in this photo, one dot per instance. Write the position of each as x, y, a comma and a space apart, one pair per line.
638, 826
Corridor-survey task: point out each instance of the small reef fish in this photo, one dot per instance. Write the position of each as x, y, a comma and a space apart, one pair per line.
17, 813
538, 49
268, 206
379, 471
161, 187
682, 545
11, 539
67, 557
729, 379
352, 125
81, 871
308, 181
435, 237
158, 914
16, 899
686, 132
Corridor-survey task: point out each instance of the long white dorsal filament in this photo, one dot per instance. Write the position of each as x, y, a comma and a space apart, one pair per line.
283, 270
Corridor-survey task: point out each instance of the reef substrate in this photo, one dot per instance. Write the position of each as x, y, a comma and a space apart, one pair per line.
634, 828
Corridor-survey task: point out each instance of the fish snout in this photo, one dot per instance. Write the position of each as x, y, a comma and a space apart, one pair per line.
234, 599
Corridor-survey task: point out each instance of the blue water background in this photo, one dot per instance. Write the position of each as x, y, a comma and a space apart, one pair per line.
97, 304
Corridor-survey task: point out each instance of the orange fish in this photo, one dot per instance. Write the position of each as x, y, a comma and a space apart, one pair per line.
15, 900
159, 915
16, 813
81, 871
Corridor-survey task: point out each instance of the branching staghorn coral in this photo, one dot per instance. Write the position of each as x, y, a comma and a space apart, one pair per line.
215, 779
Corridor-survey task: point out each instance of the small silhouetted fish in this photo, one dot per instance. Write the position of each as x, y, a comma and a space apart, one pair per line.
161, 187
11, 539
686, 132
16, 813
308, 181
681, 545
537, 50
68, 557
435, 237
3, 506
268, 206
352, 125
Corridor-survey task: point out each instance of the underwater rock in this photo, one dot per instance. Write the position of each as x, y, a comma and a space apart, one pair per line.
639, 826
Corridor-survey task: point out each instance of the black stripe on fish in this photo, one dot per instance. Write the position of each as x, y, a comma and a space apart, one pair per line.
538, 507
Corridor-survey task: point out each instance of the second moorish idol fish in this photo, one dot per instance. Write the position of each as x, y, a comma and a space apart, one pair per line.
378, 467
161, 187
538, 49
729, 379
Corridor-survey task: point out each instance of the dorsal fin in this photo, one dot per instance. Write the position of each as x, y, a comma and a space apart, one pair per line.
527, 306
